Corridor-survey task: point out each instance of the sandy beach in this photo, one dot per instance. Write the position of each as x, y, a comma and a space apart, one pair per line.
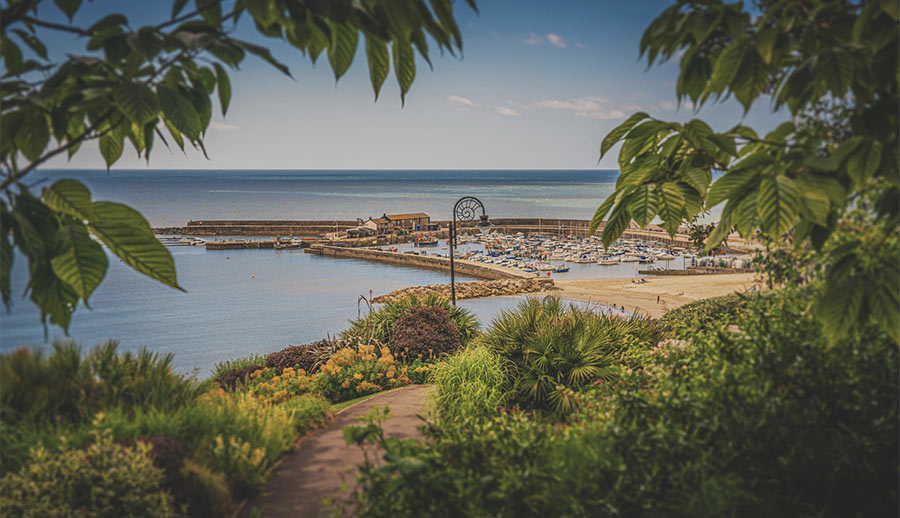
672, 291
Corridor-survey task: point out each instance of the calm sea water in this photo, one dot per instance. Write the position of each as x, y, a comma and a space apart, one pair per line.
256, 301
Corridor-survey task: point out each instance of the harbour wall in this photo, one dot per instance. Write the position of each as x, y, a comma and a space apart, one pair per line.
468, 268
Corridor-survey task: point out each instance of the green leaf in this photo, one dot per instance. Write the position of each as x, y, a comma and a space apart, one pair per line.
82, 264
730, 182
722, 228
69, 197
6, 261
616, 134
601, 212
177, 7
137, 101
111, 147
56, 299
34, 133
765, 42
643, 203
728, 64
404, 66
746, 218
617, 224
344, 40
210, 10
179, 111
699, 179
264, 54
671, 207
776, 205
379, 61
129, 236
863, 164
108, 21
839, 306
32, 41
223, 87
69, 7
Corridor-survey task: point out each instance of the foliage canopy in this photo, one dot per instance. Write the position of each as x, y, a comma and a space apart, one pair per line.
148, 84
833, 66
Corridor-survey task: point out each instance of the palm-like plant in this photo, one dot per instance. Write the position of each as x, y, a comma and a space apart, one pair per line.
558, 349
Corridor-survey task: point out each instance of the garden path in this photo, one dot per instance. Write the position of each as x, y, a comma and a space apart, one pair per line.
323, 461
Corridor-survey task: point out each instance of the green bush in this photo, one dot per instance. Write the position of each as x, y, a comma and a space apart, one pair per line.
103, 480
469, 385
308, 412
224, 367
556, 350
68, 386
380, 324
761, 417
425, 332
687, 320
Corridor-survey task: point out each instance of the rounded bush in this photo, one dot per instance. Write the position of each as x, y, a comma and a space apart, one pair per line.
307, 357
231, 378
424, 332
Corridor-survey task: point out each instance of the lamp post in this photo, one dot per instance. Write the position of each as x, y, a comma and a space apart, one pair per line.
464, 210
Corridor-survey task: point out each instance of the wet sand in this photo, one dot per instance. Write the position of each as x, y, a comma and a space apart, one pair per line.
672, 291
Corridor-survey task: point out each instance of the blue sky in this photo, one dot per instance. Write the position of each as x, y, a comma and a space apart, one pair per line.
540, 84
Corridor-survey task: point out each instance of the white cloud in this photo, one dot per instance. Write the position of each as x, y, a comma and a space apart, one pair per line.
667, 105
222, 126
615, 114
578, 104
462, 100
533, 39
556, 40
505, 110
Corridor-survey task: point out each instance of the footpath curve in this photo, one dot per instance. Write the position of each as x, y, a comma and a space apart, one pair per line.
323, 461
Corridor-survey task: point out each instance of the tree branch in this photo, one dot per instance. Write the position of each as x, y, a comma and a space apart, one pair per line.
15, 177
56, 26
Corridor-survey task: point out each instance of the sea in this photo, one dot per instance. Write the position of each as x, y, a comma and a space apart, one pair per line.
243, 302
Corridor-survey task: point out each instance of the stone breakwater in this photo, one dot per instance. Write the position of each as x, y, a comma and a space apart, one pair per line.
470, 268
472, 290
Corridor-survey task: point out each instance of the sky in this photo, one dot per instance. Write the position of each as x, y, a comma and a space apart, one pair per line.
539, 84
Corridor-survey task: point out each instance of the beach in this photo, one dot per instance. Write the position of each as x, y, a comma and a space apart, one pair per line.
642, 297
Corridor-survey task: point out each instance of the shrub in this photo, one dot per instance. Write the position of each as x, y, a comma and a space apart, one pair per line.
218, 420
103, 480
206, 493
276, 387
230, 379
555, 350
380, 324
351, 373
226, 366
425, 332
307, 357
469, 385
762, 418
308, 412
66, 386
705, 314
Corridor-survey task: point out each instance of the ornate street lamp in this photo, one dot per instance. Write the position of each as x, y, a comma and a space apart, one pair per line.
465, 210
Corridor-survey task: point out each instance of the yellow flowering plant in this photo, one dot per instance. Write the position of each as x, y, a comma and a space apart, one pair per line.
353, 372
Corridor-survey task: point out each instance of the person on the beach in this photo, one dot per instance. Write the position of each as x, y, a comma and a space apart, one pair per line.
657, 299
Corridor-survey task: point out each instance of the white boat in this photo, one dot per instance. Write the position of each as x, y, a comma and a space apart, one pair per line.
630, 259
607, 261
665, 257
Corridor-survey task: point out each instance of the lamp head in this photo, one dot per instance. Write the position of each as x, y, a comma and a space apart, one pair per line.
484, 223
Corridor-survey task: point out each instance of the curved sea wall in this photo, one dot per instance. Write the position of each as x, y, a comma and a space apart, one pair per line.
472, 290
469, 268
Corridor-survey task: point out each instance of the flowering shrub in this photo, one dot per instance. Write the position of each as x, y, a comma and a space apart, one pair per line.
275, 387
351, 373
104, 479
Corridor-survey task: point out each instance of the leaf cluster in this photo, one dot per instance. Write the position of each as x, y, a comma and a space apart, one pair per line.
832, 65
141, 85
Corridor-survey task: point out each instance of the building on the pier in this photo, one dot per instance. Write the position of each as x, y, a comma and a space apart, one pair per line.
415, 221
387, 223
